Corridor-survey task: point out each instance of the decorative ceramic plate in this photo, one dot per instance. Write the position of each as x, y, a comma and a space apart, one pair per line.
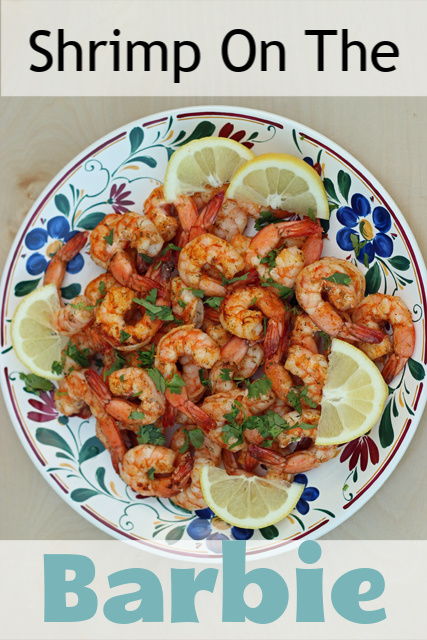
116, 174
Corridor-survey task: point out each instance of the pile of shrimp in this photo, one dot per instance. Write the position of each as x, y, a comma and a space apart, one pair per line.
193, 323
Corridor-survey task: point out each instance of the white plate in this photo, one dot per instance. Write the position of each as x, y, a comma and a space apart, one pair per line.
118, 172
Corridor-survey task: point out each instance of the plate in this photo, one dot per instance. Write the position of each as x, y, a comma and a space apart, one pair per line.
117, 173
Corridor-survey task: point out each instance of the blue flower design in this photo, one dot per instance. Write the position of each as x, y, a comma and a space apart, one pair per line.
205, 527
51, 239
308, 495
373, 233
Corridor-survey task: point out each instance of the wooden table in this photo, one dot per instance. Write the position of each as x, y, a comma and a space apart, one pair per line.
39, 136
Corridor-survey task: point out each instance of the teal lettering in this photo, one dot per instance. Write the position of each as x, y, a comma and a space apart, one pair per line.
310, 585
149, 593
275, 593
346, 595
56, 587
184, 588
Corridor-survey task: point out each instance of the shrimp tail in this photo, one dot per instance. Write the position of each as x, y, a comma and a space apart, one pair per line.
276, 339
393, 366
182, 473
362, 333
252, 278
234, 350
169, 416
207, 216
55, 271
200, 417
265, 456
125, 273
98, 386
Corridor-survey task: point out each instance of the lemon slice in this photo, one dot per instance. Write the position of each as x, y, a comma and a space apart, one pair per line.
281, 181
36, 344
251, 502
353, 396
208, 161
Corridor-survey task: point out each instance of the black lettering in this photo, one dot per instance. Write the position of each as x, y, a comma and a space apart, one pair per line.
226, 44
320, 45
71, 43
177, 68
116, 50
147, 59
346, 46
376, 54
93, 46
265, 46
44, 52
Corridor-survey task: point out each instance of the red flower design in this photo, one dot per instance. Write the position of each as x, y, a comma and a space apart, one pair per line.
363, 448
118, 198
227, 130
46, 409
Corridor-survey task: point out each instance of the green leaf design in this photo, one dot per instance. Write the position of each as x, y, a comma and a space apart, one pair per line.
91, 448
269, 532
136, 137
176, 533
400, 263
178, 508
355, 476
81, 495
416, 369
90, 221
386, 432
60, 454
62, 204
344, 183
394, 408
63, 420
25, 287
203, 130
373, 279
328, 513
150, 162
71, 291
52, 439
170, 152
294, 136
330, 189
100, 476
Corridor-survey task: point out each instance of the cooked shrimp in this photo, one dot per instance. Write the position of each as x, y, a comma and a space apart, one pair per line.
222, 373
238, 316
303, 333
208, 454
212, 326
180, 342
147, 460
310, 367
296, 432
76, 391
204, 250
217, 407
207, 216
313, 281
230, 222
159, 212
113, 324
289, 262
298, 462
191, 374
57, 266
110, 239
374, 312
185, 304
142, 397
253, 359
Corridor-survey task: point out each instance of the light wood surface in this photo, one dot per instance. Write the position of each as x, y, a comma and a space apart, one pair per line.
39, 136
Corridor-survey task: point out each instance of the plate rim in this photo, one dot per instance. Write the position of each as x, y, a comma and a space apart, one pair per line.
207, 110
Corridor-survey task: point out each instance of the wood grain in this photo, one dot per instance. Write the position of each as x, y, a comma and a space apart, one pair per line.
39, 136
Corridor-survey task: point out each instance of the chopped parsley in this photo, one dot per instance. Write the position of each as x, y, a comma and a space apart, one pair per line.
109, 238
265, 218
79, 356
295, 397
150, 473
137, 415
101, 287
174, 385
124, 335
269, 426
81, 305
205, 382
171, 246
326, 338
182, 304
150, 434
154, 311
311, 214
35, 384
118, 363
232, 429
284, 292
214, 302
225, 282
225, 374
339, 278
199, 293
147, 259
146, 358
57, 367
195, 437
270, 259
259, 387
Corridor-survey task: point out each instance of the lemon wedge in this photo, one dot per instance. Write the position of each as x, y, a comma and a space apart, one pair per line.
36, 344
280, 181
353, 398
208, 161
251, 503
